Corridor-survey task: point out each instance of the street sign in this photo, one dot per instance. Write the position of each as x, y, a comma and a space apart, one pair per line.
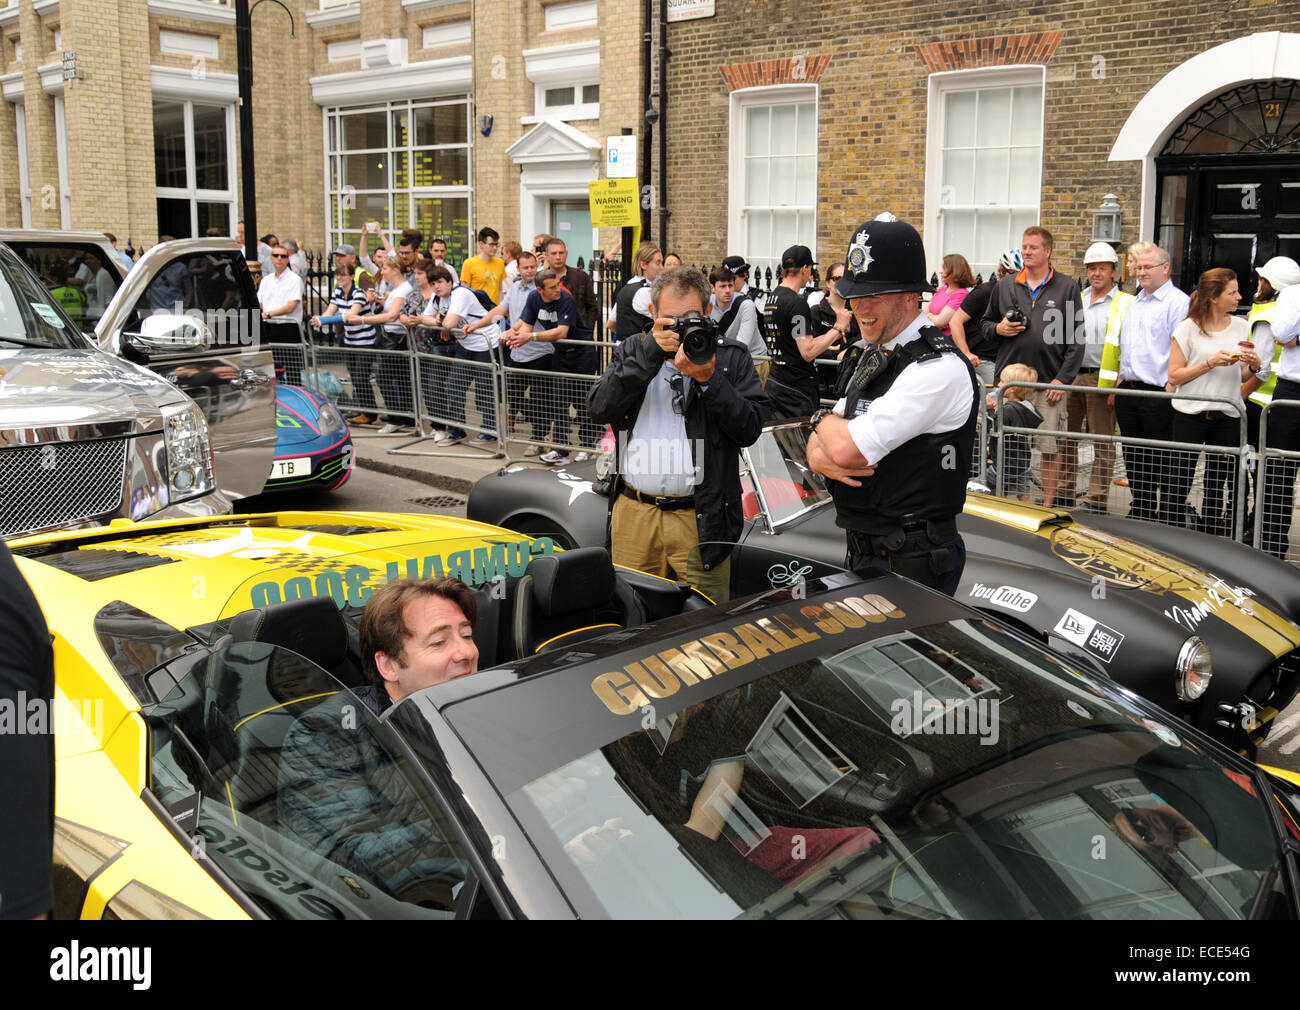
615, 203
620, 157
689, 10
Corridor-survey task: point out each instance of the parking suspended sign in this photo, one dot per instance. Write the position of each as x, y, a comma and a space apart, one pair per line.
620, 157
615, 203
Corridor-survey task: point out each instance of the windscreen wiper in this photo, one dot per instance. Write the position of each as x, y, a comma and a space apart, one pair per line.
26, 343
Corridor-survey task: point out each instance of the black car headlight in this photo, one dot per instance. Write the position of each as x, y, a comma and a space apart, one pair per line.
1194, 669
331, 420
189, 454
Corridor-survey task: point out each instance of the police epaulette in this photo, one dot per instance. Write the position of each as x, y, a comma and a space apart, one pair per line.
938, 341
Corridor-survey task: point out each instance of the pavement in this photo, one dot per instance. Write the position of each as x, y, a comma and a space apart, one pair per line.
456, 468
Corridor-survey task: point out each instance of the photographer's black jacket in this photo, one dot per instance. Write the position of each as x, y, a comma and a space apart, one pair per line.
726, 417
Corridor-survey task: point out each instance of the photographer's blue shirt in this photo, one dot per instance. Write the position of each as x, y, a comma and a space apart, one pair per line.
656, 458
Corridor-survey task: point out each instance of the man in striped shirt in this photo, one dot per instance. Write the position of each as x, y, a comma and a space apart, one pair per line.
349, 296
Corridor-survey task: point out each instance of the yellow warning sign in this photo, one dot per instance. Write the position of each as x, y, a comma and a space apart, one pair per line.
615, 203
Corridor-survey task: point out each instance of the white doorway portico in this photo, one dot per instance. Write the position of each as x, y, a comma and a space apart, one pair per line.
557, 162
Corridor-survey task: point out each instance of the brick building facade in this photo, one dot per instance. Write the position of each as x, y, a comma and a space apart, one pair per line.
363, 109
787, 122
972, 129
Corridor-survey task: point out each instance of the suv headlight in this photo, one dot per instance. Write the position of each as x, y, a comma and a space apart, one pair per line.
189, 453
1194, 669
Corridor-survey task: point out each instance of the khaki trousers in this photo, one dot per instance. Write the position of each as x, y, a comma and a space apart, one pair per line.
663, 542
1101, 421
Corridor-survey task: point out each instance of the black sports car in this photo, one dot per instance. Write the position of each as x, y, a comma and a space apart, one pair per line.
1204, 627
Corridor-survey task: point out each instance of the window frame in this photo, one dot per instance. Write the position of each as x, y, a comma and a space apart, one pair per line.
333, 149
24, 170
191, 191
572, 65
742, 100
940, 86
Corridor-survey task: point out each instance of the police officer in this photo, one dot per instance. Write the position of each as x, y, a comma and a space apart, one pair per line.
898, 444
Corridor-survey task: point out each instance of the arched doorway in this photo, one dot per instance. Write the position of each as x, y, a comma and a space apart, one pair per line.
1228, 183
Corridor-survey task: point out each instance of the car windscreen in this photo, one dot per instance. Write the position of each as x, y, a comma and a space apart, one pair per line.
776, 481
928, 770
30, 314
93, 275
285, 779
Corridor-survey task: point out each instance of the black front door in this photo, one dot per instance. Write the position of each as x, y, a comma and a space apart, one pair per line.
1243, 216
1229, 184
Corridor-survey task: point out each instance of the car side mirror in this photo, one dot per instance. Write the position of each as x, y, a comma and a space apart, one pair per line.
163, 333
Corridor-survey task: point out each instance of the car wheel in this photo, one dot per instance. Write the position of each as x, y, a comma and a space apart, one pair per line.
536, 526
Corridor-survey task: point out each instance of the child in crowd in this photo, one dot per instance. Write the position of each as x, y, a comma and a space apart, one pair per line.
1017, 412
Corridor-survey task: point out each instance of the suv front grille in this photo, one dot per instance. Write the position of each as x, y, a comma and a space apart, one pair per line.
60, 483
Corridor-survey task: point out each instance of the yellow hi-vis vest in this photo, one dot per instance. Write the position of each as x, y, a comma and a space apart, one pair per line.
1264, 312
1108, 376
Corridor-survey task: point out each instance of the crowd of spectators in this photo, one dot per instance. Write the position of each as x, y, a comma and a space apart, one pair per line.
525, 307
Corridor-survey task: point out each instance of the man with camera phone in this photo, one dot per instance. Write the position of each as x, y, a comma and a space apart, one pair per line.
1036, 317
898, 443
684, 402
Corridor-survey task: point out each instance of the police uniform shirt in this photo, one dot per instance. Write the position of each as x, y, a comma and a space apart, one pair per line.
1286, 327
927, 398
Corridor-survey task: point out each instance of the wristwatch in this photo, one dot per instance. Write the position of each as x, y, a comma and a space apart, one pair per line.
817, 418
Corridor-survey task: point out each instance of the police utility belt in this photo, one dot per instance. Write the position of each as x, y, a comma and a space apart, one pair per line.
909, 536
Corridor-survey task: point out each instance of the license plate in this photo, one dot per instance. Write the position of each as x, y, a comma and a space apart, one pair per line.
298, 467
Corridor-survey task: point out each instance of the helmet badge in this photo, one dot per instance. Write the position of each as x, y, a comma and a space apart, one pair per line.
859, 257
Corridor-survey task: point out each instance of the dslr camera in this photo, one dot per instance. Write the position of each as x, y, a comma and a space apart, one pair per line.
699, 336
1014, 315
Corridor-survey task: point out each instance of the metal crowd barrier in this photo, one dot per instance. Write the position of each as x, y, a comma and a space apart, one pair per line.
1202, 486
549, 396
1275, 478
425, 383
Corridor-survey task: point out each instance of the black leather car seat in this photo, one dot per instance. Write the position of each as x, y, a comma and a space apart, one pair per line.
569, 597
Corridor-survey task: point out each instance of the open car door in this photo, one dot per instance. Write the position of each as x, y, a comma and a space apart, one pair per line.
188, 311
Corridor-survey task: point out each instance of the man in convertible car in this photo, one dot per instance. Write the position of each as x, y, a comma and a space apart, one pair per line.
340, 791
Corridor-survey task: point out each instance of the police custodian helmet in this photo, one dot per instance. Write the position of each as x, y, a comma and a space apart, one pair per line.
885, 257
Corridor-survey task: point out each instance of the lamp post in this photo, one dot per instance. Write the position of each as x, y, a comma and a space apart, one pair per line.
244, 62
244, 55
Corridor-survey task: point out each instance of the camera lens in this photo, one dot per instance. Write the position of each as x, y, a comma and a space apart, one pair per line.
699, 337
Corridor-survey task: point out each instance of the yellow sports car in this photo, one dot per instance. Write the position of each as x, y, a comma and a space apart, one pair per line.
830, 748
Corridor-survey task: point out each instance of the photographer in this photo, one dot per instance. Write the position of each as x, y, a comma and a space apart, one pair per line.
689, 402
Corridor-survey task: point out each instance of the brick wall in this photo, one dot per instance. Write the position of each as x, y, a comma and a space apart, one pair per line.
872, 102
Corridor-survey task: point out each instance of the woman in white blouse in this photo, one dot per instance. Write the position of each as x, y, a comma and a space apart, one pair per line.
1211, 355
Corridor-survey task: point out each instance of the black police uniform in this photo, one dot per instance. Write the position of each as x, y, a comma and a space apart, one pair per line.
903, 518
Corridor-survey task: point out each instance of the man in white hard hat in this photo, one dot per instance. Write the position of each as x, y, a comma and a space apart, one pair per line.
1103, 307
1274, 320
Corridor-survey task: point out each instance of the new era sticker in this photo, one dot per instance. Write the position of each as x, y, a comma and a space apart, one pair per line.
1090, 634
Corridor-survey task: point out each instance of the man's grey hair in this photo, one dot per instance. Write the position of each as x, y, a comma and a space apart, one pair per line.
682, 280
543, 275
291, 245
